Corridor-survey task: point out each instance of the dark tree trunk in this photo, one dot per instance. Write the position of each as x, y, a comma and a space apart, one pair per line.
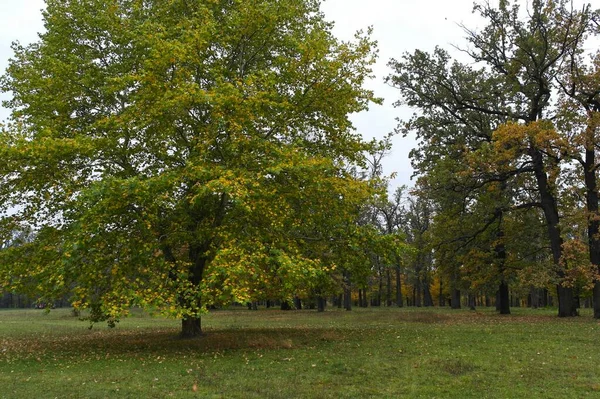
596, 299
320, 304
503, 299
347, 299
442, 300
398, 288
593, 222
471, 300
455, 301
454, 291
417, 292
534, 294
297, 303
347, 292
388, 290
544, 298
427, 299
566, 304
380, 288
191, 327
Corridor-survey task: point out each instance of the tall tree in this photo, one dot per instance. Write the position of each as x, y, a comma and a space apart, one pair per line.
579, 121
451, 124
178, 154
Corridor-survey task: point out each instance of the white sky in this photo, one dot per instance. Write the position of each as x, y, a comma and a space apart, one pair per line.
399, 26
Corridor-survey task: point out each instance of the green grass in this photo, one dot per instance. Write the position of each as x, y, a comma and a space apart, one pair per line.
383, 353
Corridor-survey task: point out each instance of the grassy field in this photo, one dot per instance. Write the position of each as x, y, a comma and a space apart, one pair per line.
383, 353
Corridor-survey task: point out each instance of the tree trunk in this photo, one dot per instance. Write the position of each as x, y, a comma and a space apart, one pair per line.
427, 299
380, 289
596, 300
388, 291
360, 297
591, 197
442, 301
320, 304
454, 291
534, 294
191, 327
455, 302
566, 304
347, 292
471, 300
398, 288
503, 298
417, 286
297, 303
544, 298
347, 299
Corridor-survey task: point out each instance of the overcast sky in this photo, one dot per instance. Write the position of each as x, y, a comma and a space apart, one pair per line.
399, 26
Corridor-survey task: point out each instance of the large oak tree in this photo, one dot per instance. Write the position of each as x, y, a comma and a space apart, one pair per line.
176, 154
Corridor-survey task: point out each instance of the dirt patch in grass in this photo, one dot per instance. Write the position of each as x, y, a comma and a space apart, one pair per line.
463, 317
454, 367
424, 317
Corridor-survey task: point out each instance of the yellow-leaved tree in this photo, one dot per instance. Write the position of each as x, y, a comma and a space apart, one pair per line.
177, 154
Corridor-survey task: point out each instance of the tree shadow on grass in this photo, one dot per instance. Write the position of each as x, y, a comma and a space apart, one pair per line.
148, 342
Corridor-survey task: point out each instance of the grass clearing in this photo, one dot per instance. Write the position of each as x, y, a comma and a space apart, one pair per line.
383, 353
